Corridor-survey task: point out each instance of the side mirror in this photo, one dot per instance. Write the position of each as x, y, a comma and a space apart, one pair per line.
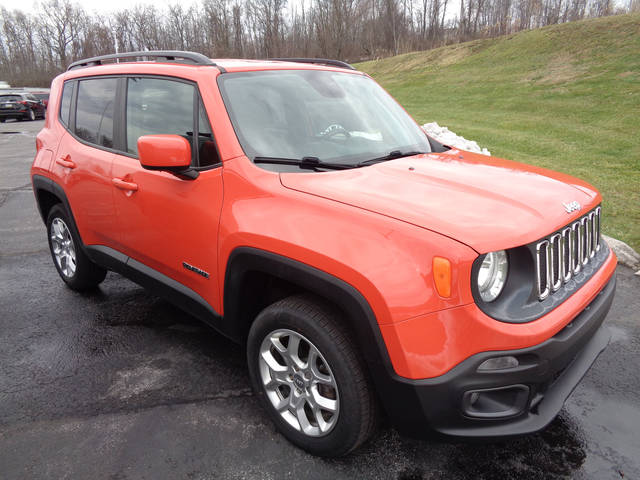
166, 152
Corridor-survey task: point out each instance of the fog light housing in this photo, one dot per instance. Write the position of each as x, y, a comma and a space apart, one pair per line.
499, 363
499, 402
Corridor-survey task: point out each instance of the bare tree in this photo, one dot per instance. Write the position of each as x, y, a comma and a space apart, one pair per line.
34, 47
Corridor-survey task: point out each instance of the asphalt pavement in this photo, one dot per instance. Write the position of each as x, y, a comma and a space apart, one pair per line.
119, 384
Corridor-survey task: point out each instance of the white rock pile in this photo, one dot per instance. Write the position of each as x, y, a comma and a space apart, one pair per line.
626, 255
447, 137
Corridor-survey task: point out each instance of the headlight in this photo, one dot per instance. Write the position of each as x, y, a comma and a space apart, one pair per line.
492, 275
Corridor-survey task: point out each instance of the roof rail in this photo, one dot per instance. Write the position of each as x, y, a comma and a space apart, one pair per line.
191, 58
319, 61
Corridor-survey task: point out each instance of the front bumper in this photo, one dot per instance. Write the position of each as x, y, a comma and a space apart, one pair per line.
537, 388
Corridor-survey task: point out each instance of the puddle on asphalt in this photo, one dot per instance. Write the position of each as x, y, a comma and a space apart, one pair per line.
610, 425
556, 452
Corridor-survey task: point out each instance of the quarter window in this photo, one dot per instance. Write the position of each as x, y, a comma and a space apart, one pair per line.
207, 151
94, 113
65, 103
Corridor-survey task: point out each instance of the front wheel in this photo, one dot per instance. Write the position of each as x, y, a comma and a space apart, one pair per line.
32, 115
72, 264
310, 378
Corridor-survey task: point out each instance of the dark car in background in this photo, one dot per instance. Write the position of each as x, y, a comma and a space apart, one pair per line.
21, 106
43, 97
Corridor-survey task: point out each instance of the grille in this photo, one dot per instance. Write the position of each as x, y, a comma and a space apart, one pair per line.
563, 254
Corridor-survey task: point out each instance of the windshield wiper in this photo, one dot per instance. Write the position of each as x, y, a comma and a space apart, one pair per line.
314, 163
310, 163
389, 156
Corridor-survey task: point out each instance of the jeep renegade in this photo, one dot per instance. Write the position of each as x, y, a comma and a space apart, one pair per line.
300, 211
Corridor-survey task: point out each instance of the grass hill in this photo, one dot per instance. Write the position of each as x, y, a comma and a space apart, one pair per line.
565, 97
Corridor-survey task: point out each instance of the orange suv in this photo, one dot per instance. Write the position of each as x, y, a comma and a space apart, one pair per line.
297, 208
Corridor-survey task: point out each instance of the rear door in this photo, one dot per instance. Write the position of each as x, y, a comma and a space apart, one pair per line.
84, 158
170, 223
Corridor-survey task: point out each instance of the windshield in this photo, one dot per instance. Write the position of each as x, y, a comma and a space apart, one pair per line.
10, 98
332, 117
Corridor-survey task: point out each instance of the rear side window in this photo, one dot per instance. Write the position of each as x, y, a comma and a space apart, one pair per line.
94, 111
65, 103
156, 106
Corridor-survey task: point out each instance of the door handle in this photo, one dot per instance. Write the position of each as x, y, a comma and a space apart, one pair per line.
122, 185
66, 162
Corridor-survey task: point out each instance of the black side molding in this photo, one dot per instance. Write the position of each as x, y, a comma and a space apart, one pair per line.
362, 320
156, 282
166, 287
244, 260
45, 184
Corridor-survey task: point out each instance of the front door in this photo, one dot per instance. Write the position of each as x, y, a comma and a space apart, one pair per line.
170, 223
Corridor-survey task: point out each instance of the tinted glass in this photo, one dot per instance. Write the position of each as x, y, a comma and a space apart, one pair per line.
94, 113
206, 145
32, 98
334, 116
65, 103
156, 106
10, 98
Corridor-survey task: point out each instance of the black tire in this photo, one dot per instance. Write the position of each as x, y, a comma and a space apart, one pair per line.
320, 324
31, 116
2, 120
86, 274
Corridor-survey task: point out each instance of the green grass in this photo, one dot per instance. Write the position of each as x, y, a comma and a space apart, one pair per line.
564, 97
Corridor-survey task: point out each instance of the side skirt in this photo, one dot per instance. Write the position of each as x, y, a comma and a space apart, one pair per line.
156, 282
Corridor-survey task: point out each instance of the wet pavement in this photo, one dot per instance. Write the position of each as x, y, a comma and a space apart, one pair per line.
119, 384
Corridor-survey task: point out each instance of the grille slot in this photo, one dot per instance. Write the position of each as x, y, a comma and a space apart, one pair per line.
563, 254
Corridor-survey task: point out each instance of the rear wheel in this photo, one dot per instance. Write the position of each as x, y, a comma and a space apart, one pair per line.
72, 264
310, 378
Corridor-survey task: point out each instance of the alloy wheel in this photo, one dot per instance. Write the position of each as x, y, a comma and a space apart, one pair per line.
299, 382
63, 247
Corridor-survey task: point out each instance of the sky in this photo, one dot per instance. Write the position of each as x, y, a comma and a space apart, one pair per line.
101, 6
106, 6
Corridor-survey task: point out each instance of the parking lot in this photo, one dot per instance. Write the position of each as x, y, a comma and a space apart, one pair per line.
119, 384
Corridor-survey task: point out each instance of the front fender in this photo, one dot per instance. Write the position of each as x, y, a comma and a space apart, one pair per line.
388, 261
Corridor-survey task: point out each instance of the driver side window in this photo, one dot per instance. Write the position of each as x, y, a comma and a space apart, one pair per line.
157, 106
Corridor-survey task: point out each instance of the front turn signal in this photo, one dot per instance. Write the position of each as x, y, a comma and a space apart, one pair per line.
442, 276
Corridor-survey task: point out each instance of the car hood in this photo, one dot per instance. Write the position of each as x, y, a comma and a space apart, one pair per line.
484, 202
